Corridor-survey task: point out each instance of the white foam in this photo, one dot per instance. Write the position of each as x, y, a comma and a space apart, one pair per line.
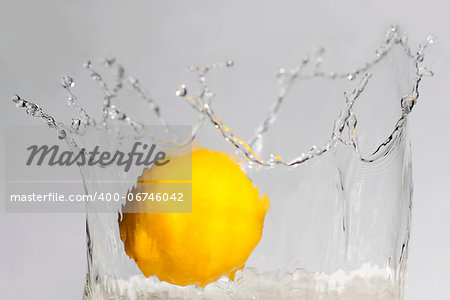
368, 282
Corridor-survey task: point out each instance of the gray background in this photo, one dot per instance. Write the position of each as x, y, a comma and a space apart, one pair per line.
42, 255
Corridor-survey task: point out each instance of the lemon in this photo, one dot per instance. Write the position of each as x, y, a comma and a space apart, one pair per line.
212, 241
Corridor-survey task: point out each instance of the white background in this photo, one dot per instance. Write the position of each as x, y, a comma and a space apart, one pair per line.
42, 256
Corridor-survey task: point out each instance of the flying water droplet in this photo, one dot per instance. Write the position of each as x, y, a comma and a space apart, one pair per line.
109, 61
431, 39
407, 104
121, 116
351, 76
133, 81
15, 98
32, 109
50, 121
192, 68
115, 114
67, 82
96, 76
404, 39
181, 91
230, 63
281, 71
20, 103
424, 71
87, 64
209, 94
76, 124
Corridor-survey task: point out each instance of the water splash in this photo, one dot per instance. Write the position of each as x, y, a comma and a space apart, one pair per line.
202, 102
347, 117
344, 131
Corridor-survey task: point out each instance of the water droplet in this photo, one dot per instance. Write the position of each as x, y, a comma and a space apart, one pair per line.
230, 63
87, 64
404, 39
50, 121
192, 68
431, 39
407, 103
109, 61
67, 82
351, 123
209, 94
351, 76
121, 116
181, 91
113, 112
96, 76
15, 98
394, 28
419, 57
76, 124
32, 109
20, 103
272, 159
424, 71
133, 81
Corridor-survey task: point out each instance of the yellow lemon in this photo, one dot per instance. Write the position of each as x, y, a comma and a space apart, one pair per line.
214, 240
